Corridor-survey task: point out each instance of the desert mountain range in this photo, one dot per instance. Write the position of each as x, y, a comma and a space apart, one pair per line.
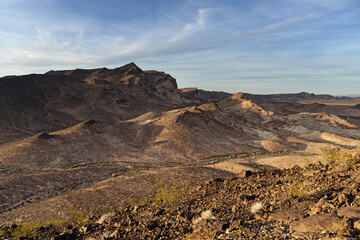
93, 133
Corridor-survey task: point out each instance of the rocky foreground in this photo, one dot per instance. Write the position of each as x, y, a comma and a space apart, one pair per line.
321, 201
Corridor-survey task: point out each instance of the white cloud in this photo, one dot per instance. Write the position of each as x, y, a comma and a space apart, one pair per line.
192, 28
276, 26
61, 47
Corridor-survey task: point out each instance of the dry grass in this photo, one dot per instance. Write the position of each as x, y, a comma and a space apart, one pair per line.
341, 156
301, 188
169, 193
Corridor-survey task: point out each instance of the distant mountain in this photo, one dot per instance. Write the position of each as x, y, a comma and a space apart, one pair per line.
293, 96
357, 106
353, 95
204, 96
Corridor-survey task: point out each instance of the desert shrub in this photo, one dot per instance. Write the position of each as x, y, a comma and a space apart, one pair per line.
239, 229
169, 193
189, 236
301, 188
25, 230
341, 156
79, 217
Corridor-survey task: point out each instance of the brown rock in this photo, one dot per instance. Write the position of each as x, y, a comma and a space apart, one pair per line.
286, 216
357, 178
208, 227
114, 234
317, 224
351, 212
314, 210
322, 205
357, 225
245, 174
341, 199
105, 218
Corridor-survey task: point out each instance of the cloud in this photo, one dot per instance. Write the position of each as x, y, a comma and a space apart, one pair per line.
191, 28
69, 47
276, 26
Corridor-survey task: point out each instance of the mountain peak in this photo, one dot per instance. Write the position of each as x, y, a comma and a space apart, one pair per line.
237, 96
130, 68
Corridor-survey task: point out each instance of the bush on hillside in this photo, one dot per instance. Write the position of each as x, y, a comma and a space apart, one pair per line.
341, 156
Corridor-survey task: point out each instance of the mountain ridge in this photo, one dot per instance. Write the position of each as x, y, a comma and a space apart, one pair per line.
46, 102
73, 131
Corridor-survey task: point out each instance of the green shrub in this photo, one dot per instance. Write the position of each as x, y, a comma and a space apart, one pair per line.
169, 193
301, 188
25, 230
341, 156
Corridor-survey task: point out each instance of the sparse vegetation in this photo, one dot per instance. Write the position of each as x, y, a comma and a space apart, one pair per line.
79, 217
238, 229
86, 215
301, 188
341, 156
169, 193
249, 155
189, 236
25, 230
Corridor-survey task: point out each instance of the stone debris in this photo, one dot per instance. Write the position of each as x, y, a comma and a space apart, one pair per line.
224, 209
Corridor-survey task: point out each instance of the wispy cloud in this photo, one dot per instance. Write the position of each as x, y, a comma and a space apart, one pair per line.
61, 46
191, 28
275, 26
196, 41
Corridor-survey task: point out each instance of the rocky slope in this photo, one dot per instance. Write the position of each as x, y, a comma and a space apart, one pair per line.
58, 99
233, 125
316, 202
182, 137
109, 133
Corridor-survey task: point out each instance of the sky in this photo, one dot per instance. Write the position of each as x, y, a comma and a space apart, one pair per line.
255, 46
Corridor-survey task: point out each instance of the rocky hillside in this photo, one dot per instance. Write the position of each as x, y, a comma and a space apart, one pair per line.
90, 140
188, 136
231, 126
320, 201
58, 99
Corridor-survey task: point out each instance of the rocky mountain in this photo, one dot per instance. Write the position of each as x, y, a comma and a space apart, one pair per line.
58, 99
186, 137
101, 132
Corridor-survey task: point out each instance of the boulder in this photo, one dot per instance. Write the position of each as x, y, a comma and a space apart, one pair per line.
287, 216
317, 224
351, 212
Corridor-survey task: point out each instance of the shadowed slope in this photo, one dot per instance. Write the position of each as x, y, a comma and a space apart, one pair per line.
46, 102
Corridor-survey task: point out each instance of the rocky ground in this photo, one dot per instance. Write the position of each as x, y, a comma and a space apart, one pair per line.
320, 201
80, 143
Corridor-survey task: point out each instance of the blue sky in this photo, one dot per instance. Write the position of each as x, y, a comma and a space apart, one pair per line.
256, 46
